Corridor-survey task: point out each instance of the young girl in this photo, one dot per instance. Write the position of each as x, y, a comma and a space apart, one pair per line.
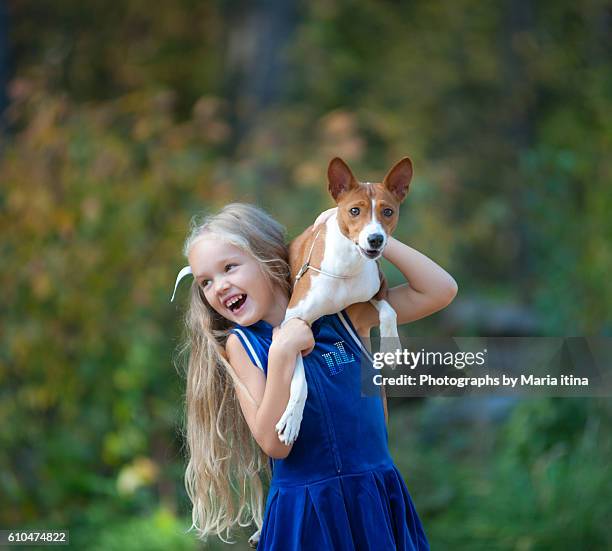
336, 487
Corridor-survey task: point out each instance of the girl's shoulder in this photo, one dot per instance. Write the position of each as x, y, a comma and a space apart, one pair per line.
255, 340
363, 317
240, 353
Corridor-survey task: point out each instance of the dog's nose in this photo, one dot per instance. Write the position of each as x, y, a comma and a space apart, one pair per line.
376, 240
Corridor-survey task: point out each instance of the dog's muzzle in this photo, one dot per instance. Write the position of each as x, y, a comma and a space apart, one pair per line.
370, 254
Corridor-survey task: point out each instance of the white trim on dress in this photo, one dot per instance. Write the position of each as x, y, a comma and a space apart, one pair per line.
250, 347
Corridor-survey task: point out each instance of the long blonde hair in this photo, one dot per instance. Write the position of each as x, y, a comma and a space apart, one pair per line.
223, 477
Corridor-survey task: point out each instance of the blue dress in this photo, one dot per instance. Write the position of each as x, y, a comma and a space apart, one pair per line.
338, 489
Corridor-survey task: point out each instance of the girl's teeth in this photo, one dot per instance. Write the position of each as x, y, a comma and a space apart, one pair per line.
233, 301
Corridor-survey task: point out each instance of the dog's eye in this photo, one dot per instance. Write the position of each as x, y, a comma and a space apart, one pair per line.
387, 212
354, 211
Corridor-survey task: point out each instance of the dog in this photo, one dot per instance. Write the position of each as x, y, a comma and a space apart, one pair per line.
336, 265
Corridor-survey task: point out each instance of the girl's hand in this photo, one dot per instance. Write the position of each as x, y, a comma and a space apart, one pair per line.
323, 217
295, 336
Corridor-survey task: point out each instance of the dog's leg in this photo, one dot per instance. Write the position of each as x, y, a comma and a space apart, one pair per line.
288, 426
389, 337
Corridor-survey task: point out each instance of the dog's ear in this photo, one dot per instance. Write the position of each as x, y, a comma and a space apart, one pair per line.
397, 180
340, 178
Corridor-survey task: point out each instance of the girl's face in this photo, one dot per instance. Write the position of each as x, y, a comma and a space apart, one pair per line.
232, 280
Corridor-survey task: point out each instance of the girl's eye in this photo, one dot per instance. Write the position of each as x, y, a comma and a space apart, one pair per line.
228, 267
204, 283
387, 212
354, 211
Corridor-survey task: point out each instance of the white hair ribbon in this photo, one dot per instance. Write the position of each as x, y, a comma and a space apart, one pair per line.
185, 271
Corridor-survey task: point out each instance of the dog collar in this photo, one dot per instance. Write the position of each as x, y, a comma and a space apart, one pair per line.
306, 266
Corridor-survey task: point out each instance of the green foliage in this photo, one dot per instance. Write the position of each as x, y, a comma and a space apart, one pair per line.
159, 532
542, 484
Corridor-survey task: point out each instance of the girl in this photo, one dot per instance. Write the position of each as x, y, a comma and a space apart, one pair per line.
336, 487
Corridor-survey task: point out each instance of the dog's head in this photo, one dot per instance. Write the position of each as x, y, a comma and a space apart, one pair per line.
368, 213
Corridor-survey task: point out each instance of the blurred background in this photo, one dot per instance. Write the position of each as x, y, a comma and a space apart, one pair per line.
121, 120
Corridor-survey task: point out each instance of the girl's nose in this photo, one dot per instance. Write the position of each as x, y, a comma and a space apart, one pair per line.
222, 284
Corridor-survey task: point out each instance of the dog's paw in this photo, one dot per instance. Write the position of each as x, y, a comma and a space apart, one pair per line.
288, 426
282, 422
254, 539
293, 428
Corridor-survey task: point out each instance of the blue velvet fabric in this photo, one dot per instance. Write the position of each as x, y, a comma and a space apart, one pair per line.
338, 489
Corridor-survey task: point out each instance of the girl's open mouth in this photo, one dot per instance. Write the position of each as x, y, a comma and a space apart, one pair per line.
236, 303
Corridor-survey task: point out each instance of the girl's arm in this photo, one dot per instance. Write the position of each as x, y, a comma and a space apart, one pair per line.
270, 393
264, 391
429, 288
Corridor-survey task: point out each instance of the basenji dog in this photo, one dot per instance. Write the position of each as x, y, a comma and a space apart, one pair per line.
336, 265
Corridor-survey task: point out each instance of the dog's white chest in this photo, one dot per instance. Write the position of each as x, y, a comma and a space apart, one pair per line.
344, 292
347, 278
